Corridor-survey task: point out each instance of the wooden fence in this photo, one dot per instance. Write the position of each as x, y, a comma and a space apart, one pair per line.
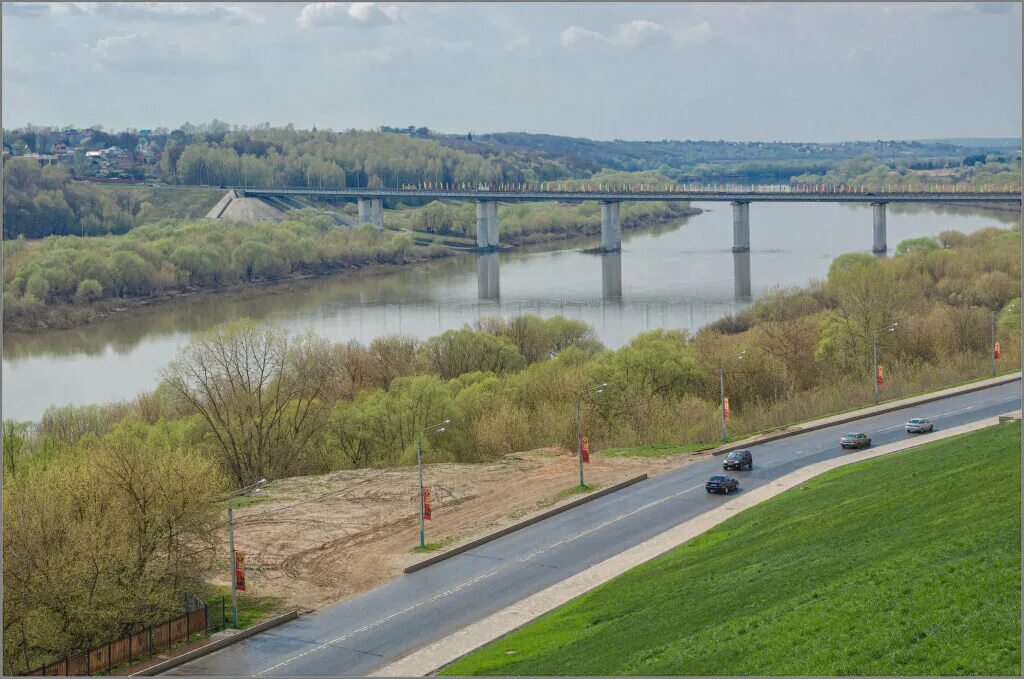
136, 647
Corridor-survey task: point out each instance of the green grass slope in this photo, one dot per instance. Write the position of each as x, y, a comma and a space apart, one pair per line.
908, 564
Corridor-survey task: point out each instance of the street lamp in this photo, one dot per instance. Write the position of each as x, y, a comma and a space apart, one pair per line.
874, 350
579, 431
721, 386
435, 429
241, 492
992, 347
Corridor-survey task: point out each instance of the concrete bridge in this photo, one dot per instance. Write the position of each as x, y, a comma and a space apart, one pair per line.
371, 206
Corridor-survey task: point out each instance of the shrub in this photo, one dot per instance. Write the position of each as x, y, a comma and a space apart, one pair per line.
88, 291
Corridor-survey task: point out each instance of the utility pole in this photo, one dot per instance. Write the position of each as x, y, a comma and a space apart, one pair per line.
874, 349
992, 347
721, 386
231, 567
579, 430
438, 428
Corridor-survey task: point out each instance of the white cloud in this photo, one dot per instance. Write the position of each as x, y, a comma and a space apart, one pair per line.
365, 14
575, 34
635, 33
454, 45
381, 54
516, 44
176, 12
141, 53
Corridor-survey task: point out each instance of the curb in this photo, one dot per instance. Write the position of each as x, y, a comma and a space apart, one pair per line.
881, 410
455, 551
500, 624
171, 663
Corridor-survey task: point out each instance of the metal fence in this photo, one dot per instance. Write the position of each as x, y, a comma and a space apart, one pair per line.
139, 646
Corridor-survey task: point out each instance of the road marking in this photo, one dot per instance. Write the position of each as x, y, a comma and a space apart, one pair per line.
473, 581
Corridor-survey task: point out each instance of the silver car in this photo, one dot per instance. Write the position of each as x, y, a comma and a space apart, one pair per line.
919, 425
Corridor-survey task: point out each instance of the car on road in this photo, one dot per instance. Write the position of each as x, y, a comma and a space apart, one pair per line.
739, 460
721, 484
919, 425
854, 440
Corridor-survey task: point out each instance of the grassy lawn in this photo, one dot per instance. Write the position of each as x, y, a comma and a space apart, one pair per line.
908, 564
659, 449
251, 608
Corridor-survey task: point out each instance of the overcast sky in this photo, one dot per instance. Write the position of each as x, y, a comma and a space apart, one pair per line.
806, 71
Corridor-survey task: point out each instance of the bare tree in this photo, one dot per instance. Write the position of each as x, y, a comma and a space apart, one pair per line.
258, 393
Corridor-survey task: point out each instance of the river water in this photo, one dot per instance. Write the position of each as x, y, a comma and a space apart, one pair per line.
683, 276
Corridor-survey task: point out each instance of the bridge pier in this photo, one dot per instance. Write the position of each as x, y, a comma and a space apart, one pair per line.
879, 214
611, 227
364, 210
741, 227
492, 225
377, 212
487, 225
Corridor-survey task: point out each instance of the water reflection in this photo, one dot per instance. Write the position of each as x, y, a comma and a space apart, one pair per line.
741, 276
611, 275
488, 279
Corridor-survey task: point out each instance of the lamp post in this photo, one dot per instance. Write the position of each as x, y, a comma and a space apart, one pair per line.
992, 347
721, 388
579, 431
241, 492
874, 351
435, 429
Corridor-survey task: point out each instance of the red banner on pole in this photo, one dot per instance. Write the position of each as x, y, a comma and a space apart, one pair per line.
880, 377
585, 450
426, 504
240, 571
725, 408
997, 351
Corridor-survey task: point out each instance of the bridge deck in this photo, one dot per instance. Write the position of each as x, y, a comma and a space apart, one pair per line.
616, 196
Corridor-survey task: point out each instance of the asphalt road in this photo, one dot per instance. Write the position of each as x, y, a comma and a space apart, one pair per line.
368, 631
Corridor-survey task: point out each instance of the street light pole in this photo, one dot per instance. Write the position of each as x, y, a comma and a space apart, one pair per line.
231, 567
721, 390
874, 351
419, 462
579, 439
438, 428
579, 430
721, 397
992, 346
241, 492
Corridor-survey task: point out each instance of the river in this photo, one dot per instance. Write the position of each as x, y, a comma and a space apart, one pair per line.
684, 276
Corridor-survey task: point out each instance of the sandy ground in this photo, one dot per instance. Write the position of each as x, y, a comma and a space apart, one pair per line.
319, 539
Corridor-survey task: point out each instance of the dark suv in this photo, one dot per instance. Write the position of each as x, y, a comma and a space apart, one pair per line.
739, 460
721, 484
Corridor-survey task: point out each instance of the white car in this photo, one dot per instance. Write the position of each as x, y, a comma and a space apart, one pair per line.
919, 425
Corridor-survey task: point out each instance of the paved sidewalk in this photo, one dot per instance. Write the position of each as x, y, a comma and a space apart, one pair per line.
445, 651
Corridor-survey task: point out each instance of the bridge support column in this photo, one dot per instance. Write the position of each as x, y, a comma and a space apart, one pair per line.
611, 227
741, 227
364, 210
481, 225
492, 224
377, 212
879, 213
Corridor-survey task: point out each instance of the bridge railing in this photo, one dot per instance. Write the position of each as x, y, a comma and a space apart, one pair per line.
566, 187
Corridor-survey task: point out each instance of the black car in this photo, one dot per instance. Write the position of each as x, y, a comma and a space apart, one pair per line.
739, 460
721, 484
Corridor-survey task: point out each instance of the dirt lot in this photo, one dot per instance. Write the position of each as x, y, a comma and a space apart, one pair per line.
319, 539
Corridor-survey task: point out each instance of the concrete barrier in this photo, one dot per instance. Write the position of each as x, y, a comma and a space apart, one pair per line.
455, 551
209, 648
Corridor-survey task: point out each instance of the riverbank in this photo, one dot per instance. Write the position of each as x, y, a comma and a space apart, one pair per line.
68, 316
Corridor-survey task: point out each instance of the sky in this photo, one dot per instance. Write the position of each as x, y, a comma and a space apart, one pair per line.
788, 72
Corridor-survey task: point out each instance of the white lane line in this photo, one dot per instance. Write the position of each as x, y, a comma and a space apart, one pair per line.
475, 580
